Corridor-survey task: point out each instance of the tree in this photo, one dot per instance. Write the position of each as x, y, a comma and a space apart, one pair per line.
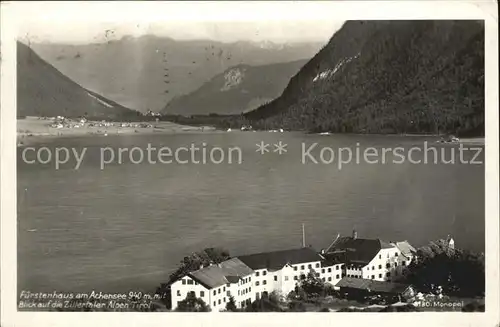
312, 285
456, 272
192, 304
267, 303
231, 305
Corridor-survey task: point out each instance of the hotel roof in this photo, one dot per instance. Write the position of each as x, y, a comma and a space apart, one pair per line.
405, 248
277, 259
357, 250
229, 271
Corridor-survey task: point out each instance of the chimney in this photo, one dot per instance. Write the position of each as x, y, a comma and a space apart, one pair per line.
354, 234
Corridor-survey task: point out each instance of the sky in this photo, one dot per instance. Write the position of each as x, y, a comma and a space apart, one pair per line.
277, 31
223, 21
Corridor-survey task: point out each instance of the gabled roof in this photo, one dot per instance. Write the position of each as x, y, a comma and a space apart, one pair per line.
358, 251
406, 249
372, 285
229, 271
278, 259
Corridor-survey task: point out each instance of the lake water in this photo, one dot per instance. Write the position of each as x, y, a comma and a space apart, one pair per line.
127, 226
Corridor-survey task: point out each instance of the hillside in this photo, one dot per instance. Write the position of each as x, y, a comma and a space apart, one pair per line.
238, 89
388, 77
147, 72
44, 91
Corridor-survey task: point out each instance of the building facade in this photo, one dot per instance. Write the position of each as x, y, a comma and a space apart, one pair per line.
371, 258
248, 277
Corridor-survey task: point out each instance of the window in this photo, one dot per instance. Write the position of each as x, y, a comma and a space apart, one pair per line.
395, 264
373, 276
337, 276
379, 275
329, 269
264, 282
257, 283
183, 282
388, 265
218, 291
309, 266
388, 255
286, 278
330, 278
403, 263
379, 266
302, 276
257, 273
202, 293
218, 301
249, 279
317, 265
238, 292
215, 292
190, 282
215, 303
396, 254
317, 274
224, 300
322, 271
249, 289
323, 279
228, 285
224, 289
373, 267
295, 278
264, 273
388, 274
337, 268
275, 278
178, 293
228, 293
295, 268
302, 267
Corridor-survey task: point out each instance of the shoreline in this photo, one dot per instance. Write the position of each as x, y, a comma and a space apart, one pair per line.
33, 130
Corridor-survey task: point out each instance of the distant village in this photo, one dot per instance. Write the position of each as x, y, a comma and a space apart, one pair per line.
62, 122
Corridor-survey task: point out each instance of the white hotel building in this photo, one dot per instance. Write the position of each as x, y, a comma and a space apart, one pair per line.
248, 277
371, 258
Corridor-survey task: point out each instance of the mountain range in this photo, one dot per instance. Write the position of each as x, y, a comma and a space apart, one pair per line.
147, 72
387, 77
44, 91
238, 89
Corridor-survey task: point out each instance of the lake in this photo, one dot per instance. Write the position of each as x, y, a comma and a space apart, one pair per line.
125, 227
